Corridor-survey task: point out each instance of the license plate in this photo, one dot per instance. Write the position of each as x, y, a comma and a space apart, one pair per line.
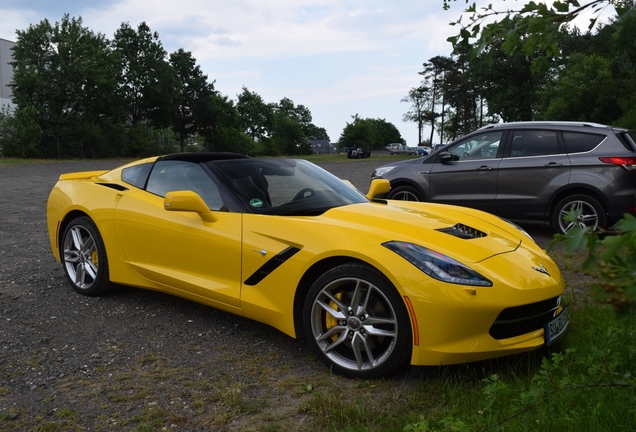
556, 328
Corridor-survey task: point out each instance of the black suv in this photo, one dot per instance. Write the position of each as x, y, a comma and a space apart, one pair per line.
528, 170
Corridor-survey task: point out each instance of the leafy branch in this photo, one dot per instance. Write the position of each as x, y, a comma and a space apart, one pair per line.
532, 28
611, 254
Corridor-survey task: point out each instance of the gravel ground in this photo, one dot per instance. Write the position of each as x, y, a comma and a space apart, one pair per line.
83, 363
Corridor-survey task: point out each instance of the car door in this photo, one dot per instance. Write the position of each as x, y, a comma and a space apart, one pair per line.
535, 166
178, 249
469, 177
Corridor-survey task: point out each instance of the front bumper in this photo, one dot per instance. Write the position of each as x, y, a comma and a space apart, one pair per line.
458, 324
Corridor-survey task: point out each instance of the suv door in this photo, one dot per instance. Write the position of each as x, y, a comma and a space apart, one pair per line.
534, 167
468, 177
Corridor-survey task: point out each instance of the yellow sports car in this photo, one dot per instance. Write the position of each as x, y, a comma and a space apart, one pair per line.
370, 283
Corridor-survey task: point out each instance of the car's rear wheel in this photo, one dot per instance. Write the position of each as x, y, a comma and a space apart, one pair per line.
405, 193
356, 322
590, 213
84, 258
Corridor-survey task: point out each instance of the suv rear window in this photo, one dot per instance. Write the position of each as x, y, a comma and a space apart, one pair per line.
578, 142
628, 139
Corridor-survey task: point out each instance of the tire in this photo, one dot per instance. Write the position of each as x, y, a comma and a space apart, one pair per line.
357, 323
84, 259
591, 213
405, 193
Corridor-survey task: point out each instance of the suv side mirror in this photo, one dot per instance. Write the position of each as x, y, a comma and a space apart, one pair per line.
445, 157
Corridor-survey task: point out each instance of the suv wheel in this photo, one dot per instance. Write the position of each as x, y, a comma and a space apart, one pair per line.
590, 213
405, 193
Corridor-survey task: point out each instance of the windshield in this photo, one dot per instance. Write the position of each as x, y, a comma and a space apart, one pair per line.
285, 186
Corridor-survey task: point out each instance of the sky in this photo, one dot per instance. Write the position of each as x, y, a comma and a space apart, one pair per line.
338, 58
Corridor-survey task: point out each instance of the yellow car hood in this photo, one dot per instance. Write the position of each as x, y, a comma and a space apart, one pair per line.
465, 234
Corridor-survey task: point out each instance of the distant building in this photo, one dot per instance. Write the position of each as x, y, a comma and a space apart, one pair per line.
321, 146
6, 71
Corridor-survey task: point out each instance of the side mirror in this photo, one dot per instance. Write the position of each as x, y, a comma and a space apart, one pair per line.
188, 201
378, 187
445, 157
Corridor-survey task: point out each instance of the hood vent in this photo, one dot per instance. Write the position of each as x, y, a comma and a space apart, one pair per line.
463, 231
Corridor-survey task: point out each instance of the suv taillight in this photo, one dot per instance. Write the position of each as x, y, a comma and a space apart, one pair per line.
627, 163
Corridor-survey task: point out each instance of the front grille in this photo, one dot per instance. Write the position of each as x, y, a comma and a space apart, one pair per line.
463, 231
519, 320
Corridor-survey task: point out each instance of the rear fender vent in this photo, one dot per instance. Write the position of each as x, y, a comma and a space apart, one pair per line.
114, 186
463, 231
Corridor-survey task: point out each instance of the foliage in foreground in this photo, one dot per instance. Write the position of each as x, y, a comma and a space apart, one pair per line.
591, 384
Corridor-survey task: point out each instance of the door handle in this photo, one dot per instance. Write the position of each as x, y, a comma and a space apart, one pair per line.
553, 165
484, 168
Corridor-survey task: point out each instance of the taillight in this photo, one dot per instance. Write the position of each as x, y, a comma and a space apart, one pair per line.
627, 163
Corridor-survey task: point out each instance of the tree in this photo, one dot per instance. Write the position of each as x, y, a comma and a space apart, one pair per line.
420, 110
254, 114
291, 125
507, 83
462, 96
146, 82
194, 97
67, 75
317, 133
224, 132
585, 91
386, 132
20, 133
369, 133
532, 29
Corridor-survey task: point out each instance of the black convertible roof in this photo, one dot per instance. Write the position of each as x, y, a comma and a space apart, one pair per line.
203, 156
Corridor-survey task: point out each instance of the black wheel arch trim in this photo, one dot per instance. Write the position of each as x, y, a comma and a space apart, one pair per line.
576, 189
410, 183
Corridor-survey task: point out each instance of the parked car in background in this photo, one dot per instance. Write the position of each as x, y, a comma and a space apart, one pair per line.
358, 153
528, 170
403, 150
392, 146
421, 151
438, 146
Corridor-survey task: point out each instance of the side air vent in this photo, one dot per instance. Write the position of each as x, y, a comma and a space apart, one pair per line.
463, 231
114, 186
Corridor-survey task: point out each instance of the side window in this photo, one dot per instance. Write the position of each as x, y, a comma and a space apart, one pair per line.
534, 143
136, 175
478, 147
578, 142
168, 176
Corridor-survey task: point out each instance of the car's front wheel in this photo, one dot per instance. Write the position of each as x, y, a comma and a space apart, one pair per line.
84, 258
590, 213
357, 323
405, 193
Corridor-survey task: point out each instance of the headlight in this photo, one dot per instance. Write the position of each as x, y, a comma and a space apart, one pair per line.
379, 172
436, 265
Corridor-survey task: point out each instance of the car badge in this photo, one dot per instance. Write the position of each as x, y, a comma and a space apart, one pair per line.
263, 252
541, 269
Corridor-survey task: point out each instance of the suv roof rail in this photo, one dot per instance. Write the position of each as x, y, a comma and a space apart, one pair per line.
546, 123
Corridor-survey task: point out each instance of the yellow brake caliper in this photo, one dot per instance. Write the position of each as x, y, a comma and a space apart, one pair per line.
94, 257
330, 321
